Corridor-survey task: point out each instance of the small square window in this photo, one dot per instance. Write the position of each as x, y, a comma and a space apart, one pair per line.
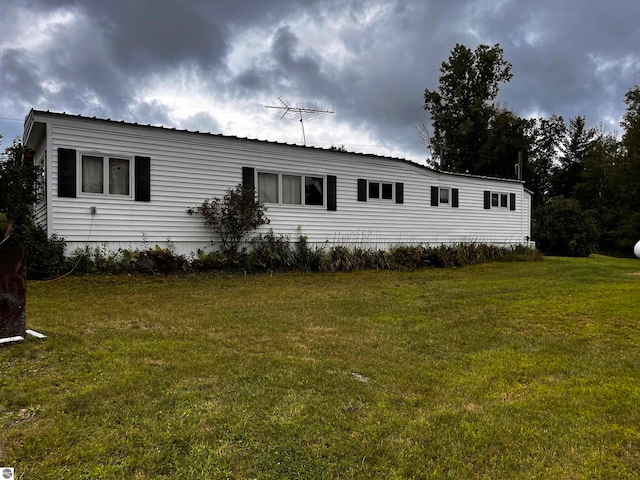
444, 195
503, 200
495, 199
374, 190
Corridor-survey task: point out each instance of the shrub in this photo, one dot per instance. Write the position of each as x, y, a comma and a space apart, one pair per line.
44, 255
274, 252
308, 259
233, 216
406, 257
159, 260
561, 227
271, 251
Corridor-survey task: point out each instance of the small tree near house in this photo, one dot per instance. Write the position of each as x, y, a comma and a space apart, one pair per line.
234, 216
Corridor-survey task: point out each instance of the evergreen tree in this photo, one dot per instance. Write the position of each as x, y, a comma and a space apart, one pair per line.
549, 135
575, 147
628, 175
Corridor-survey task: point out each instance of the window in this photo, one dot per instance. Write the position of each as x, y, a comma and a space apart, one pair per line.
444, 196
288, 189
118, 176
92, 174
499, 200
95, 169
42, 185
291, 189
97, 174
268, 187
379, 190
313, 191
387, 191
373, 190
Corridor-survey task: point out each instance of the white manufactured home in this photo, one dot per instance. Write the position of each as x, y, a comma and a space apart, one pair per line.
115, 185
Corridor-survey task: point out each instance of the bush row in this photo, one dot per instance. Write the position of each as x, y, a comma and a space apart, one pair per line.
271, 252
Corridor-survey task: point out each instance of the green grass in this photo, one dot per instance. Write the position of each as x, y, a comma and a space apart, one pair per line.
496, 371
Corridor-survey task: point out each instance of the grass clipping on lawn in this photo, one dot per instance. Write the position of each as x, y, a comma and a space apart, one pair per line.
501, 370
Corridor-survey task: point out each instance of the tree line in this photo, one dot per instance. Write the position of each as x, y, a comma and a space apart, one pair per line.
585, 181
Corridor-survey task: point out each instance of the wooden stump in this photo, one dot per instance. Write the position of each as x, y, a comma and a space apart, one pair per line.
13, 292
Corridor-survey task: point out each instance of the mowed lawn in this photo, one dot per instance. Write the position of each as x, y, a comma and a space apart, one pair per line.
496, 371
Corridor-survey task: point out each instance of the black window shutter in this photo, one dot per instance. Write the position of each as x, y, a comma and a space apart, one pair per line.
331, 193
143, 179
66, 172
248, 177
454, 198
487, 199
434, 196
399, 192
512, 201
362, 190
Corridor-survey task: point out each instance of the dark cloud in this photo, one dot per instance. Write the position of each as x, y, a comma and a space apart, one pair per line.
18, 78
370, 60
147, 34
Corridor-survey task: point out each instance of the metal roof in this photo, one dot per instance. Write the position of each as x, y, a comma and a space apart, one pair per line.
34, 112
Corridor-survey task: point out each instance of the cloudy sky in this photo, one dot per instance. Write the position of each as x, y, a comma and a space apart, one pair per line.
213, 65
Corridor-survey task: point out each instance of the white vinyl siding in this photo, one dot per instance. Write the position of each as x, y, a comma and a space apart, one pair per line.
187, 168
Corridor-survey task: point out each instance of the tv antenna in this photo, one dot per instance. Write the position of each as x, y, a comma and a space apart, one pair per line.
301, 112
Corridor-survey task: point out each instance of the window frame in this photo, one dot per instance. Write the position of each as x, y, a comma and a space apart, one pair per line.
303, 194
380, 190
106, 184
500, 200
452, 200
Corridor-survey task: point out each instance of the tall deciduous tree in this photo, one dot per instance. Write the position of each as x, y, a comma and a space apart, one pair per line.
508, 135
462, 108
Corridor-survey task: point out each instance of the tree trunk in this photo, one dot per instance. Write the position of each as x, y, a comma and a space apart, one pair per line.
13, 292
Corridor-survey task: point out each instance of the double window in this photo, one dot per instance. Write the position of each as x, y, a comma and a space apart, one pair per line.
290, 189
499, 200
381, 190
106, 175
96, 174
376, 190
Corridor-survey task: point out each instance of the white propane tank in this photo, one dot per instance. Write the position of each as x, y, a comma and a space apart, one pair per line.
636, 249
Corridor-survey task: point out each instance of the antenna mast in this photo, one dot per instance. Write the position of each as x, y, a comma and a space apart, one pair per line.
301, 112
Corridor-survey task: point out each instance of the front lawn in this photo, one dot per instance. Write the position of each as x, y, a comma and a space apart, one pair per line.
496, 371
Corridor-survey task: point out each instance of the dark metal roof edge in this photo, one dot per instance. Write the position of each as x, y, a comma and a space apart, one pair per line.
232, 137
